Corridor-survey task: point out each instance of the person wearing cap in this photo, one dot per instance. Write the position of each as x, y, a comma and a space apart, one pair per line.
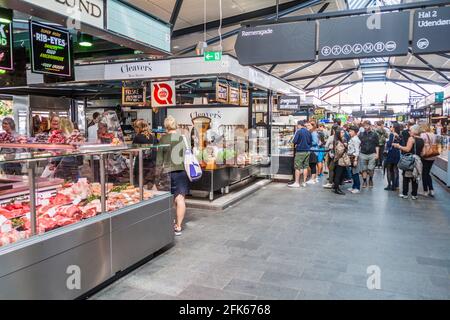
303, 143
369, 153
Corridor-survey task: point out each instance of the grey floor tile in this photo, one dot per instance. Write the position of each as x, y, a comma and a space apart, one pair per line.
261, 289
123, 292
197, 292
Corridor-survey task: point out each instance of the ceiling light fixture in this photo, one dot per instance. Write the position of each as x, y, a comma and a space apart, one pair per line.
5, 20
86, 40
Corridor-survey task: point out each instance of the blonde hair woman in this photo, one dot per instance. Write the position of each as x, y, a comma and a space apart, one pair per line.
430, 139
415, 146
172, 161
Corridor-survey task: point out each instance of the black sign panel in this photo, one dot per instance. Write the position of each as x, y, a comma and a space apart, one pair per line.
278, 43
6, 40
289, 103
431, 30
133, 96
50, 50
419, 113
367, 36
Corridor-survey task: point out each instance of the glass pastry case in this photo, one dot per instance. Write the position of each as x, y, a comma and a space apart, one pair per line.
96, 209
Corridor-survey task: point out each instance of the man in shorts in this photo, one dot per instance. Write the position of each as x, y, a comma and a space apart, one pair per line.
369, 153
303, 143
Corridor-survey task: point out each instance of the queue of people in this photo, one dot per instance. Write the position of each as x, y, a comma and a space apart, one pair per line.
351, 153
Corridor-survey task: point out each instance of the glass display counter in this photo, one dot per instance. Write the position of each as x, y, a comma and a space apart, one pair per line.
441, 167
86, 211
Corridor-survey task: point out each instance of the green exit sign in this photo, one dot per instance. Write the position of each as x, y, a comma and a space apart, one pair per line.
213, 56
439, 96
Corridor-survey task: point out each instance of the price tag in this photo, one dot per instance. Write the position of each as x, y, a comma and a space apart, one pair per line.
6, 228
77, 200
51, 212
2, 220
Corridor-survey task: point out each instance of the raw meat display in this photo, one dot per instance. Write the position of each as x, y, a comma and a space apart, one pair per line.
57, 137
72, 203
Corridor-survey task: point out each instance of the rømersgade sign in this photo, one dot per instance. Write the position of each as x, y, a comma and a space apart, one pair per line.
277, 43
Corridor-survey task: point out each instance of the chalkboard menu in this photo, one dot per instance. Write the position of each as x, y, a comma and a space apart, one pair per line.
221, 92
234, 95
50, 50
134, 96
244, 100
6, 40
289, 103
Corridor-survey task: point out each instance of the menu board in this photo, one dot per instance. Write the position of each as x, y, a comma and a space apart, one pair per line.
6, 40
134, 96
289, 103
234, 95
50, 50
244, 99
222, 92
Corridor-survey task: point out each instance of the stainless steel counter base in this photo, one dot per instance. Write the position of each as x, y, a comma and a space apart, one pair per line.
69, 262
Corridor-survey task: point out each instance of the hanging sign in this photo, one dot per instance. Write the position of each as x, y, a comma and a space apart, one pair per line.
244, 97
91, 12
234, 95
134, 96
289, 103
419, 113
277, 43
221, 92
431, 30
163, 94
50, 50
6, 40
368, 36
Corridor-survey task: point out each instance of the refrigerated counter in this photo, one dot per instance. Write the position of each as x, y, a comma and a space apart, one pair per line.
64, 241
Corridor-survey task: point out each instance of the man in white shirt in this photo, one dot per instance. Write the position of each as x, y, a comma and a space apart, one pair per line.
92, 130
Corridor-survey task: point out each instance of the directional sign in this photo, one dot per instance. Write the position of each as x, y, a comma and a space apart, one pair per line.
278, 43
376, 35
431, 30
213, 56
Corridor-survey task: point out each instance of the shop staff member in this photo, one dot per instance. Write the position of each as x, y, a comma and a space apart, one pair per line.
93, 129
9, 136
303, 143
369, 153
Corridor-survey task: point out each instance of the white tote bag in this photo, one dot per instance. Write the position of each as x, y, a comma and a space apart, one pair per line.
191, 164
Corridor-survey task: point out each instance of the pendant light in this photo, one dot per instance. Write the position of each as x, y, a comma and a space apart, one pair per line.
86, 40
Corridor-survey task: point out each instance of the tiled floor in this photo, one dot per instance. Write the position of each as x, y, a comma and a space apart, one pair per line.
304, 244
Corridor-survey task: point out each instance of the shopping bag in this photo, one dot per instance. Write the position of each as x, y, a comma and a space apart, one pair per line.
191, 164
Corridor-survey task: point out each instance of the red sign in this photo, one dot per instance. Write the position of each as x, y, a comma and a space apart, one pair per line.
163, 94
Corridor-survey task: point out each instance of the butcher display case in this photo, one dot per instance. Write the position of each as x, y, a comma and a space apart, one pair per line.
283, 151
72, 219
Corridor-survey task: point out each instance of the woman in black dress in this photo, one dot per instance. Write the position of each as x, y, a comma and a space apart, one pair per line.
145, 137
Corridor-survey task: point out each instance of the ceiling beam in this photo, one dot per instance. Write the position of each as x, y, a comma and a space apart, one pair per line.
324, 85
323, 75
272, 68
234, 20
444, 55
337, 84
324, 7
419, 68
319, 74
348, 87
347, 13
404, 87
307, 65
175, 13
431, 67
420, 77
302, 4
413, 81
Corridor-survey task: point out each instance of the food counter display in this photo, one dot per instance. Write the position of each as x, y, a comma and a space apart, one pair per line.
72, 219
283, 150
441, 167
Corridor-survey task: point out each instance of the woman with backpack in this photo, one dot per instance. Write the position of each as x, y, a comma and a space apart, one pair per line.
428, 156
341, 160
413, 149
